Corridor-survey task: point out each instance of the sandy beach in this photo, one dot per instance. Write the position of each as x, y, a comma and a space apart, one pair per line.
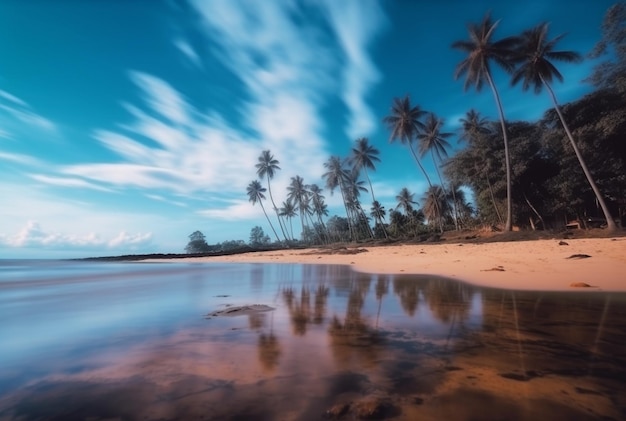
546, 264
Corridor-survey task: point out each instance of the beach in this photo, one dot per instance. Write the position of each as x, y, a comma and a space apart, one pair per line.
582, 264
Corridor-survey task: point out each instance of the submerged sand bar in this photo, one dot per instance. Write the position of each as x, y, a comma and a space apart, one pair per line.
521, 265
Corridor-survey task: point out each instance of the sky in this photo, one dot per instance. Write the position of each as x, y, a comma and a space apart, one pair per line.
126, 125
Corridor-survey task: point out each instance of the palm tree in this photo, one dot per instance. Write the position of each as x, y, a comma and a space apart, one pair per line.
363, 157
298, 195
335, 177
435, 205
405, 201
474, 128
319, 207
535, 69
265, 168
255, 194
481, 50
354, 187
288, 210
432, 139
404, 124
378, 213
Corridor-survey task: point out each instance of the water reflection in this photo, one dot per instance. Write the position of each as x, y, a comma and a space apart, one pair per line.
338, 343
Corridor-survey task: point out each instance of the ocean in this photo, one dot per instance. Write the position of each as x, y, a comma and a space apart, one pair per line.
163, 341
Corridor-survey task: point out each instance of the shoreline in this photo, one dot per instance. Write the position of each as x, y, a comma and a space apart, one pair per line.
539, 265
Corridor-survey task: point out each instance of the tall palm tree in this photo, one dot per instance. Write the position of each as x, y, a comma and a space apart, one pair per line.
404, 124
266, 167
378, 213
298, 196
535, 69
255, 194
435, 205
335, 176
354, 187
481, 49
474, 128
433, 140
288, 211
363, 157
405, 201
319, 207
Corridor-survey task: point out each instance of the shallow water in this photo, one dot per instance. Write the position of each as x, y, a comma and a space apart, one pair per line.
93, 341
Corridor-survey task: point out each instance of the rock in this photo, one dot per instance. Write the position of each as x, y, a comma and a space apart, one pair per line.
578, 256
373, 408
580, 285
337, 411
563, 243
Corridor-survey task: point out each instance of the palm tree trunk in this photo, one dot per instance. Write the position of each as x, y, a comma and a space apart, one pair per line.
445, 193
493, 199
429, 183
269, 189
268, 220
373, 200
508, 226
536, 213
343, 197
611, 226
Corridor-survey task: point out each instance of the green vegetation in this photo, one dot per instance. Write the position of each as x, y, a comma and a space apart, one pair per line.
571, 164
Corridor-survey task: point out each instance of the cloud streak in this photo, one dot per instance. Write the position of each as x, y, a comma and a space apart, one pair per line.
33, 235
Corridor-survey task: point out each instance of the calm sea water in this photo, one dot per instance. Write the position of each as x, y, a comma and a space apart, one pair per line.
136, 341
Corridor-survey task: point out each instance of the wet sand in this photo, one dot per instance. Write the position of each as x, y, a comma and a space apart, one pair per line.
541, 265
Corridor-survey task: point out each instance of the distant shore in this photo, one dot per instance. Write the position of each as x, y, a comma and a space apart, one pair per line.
518, 262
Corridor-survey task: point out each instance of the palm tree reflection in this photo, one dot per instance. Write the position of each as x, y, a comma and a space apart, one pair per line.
269, 351
354, 338
301, 313
407, 290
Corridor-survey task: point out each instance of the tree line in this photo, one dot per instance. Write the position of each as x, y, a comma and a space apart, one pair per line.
568, 165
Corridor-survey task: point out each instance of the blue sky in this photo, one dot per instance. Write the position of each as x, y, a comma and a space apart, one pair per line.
127, 125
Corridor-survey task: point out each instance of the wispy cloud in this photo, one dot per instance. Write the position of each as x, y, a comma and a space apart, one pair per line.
188, 52
20, 159
235, 211
33, 235
356, 26
68, 182
19, 109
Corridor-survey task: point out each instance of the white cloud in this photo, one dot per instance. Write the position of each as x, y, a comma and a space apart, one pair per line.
33, 235
162, 98
68, 182
237, 210
19, 109
356, 26
188, 51
20, 159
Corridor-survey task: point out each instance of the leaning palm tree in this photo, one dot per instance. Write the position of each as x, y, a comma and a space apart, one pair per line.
474, 129
255, 194
473, 126
320, 208
354, 187
405, 201
335, 177
298, 196
288, 211
265, 168
404, 124
481, 49
433, 140
363, 157
378, 212
535, 69
435, 205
